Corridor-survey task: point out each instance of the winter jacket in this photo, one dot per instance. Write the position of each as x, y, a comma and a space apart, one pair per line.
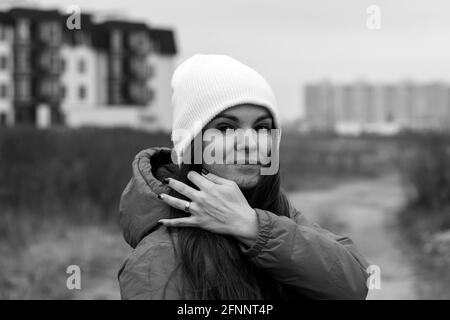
300, 255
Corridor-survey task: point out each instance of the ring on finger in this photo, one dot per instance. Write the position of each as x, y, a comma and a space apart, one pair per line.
187, 206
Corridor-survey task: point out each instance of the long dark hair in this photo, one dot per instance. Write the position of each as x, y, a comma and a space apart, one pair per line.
213, 266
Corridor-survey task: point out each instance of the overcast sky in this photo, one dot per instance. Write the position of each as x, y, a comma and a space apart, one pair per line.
292, 42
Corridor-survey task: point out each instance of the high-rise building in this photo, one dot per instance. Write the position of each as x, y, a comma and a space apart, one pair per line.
384, 108
110, 73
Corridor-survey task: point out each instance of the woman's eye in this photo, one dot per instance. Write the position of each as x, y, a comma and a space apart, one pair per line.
224, 127
263, 126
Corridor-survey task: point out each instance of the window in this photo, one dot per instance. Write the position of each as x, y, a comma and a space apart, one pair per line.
81, 66
63, 64
49, 61
139, 93
82, 92
50, 32
2, 119
23, 61
116, 40
63, 91
116, 67
3, 91
23, 29
2, 33
139, 42
23, 90
5, 33
49, 89
3, 62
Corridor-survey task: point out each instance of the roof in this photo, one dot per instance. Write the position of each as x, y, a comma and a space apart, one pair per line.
123, 25
34, 14
5, 18
165, 41
163, 38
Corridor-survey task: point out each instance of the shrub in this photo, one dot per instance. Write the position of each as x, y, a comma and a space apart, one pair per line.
426, 171
65, 171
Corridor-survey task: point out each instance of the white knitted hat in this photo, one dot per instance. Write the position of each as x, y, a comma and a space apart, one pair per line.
205, 85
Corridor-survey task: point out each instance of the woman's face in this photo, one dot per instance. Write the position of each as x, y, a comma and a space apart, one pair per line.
244, 117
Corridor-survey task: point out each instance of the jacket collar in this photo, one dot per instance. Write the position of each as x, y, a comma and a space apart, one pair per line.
140, 209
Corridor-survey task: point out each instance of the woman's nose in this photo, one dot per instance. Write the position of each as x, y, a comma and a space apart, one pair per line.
246, 138
247, 142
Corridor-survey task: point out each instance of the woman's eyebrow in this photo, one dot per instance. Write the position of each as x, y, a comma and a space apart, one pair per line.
234, 118
227, 117
263, 118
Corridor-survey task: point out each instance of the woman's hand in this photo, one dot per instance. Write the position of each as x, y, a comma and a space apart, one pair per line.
219, 206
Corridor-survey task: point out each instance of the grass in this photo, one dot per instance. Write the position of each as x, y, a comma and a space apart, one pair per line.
34, 266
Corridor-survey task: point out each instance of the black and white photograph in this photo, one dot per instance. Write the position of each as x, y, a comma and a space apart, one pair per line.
251, 150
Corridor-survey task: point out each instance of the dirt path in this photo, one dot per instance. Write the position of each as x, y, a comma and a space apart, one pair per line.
365, 210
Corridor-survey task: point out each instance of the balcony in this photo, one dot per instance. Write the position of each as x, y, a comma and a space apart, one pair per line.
49, 90
139, 68
139, 43
49, 62
139, 93
50, 33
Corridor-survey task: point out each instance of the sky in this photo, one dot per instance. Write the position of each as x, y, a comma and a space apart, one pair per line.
293, 42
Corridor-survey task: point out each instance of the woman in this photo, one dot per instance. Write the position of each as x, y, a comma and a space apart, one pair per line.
221, 229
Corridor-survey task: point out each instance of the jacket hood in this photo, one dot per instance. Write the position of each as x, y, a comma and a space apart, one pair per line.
140, 209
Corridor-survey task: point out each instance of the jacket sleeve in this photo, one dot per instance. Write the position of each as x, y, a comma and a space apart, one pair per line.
313, 261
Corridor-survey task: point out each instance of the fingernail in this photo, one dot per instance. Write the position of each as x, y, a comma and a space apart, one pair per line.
166, 180
159, 222
160, 196
204, 171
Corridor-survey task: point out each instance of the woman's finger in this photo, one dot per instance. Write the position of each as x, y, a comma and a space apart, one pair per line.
176, 203
180, 222
182, 188
199, 180
216, 179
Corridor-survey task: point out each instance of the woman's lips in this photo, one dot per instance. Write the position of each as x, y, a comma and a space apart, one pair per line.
246, 167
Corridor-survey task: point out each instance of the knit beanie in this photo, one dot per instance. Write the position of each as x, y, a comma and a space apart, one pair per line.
204, 85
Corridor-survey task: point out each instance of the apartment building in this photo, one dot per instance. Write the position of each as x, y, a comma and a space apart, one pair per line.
106, 73
358, 107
